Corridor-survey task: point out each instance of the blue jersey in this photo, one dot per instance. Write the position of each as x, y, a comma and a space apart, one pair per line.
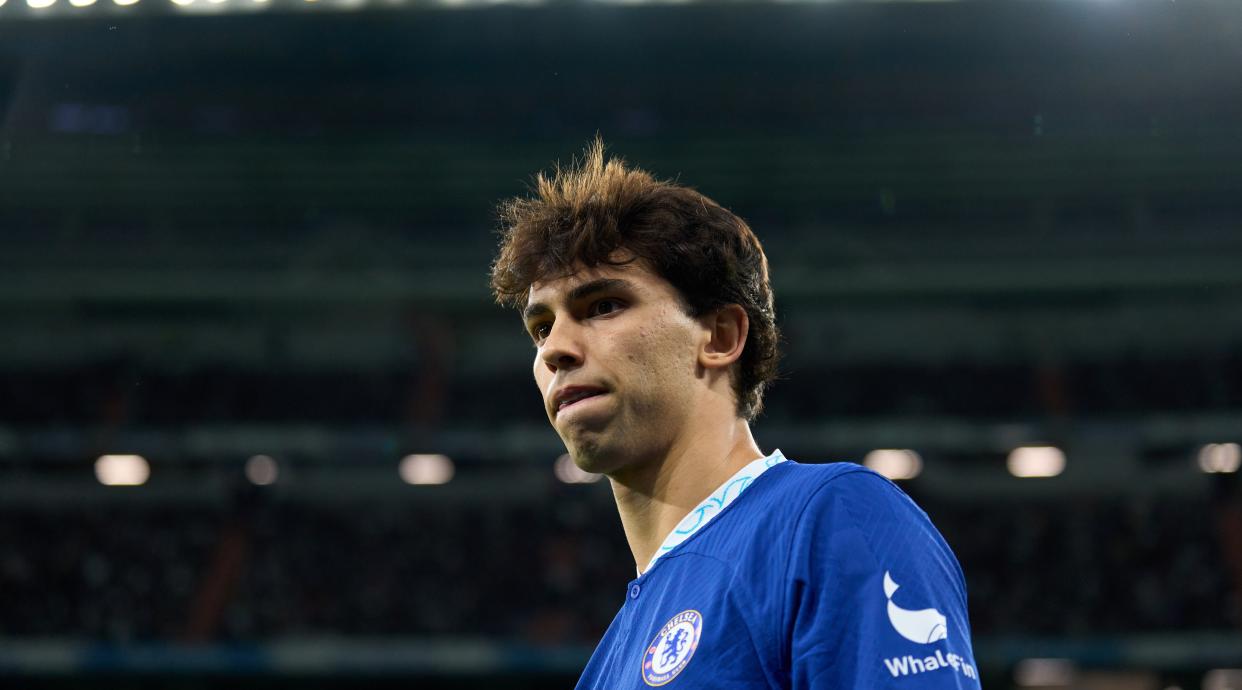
794, 576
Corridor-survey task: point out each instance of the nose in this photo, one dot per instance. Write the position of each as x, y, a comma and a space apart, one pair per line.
562, 349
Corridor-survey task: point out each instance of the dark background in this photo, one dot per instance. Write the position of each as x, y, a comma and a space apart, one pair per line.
266, 229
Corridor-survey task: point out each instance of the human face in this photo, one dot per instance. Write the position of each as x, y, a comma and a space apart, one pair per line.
616, 363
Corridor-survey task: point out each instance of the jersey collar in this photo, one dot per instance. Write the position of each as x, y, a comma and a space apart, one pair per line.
712, 505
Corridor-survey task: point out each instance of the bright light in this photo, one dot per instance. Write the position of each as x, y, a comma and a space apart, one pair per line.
125, 3
262, 470
40, 4
895, 464
122, 470
1217, 458
426, 469
81, 3
1044, 673
568, 471
1223, 679
1036, 461
183, 3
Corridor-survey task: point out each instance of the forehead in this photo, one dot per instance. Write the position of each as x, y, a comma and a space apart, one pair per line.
634, 273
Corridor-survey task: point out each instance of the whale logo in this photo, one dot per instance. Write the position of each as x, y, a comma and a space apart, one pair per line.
924, 626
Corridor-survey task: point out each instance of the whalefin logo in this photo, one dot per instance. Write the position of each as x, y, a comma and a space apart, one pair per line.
925, 626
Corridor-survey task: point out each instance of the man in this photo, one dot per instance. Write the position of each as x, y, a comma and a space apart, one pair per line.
651, 313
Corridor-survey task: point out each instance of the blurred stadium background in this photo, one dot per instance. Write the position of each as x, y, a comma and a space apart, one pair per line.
261, 425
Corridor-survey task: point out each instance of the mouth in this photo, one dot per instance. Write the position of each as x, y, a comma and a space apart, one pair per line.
575, 396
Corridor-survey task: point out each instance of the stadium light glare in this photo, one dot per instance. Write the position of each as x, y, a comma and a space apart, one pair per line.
568, 471
423, 468
40, 4
262, 470
125, 3
1044, 673
81, 3
895, 463
1222, 679
1220, 458
1036, 461
122, 470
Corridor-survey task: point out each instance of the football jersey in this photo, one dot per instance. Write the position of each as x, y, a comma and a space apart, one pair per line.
794, 576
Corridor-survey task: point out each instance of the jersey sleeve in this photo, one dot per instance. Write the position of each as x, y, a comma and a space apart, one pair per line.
875, 597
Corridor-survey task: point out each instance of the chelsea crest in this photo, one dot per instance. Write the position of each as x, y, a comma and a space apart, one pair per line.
672, 648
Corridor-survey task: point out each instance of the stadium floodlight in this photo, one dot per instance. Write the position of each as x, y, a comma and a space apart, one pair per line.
125, 3
895, 463
40, 4
122, 470
1031, 673
81, 3
262, 470
424, 468
1222, 679
1220, 458
568, 471
1036, 461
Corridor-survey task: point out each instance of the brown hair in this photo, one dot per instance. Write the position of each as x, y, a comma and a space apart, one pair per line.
584, 214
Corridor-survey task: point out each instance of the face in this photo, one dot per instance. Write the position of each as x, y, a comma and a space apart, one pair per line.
616, 362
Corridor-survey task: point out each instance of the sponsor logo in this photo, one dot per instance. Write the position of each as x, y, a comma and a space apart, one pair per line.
912, 665
670, 651
925, 626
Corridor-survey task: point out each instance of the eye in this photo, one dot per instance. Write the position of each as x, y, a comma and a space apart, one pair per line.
604, 307
540, 331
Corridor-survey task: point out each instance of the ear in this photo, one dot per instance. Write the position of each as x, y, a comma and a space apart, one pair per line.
725, 333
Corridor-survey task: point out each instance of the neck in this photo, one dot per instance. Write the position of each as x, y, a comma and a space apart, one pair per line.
652, 497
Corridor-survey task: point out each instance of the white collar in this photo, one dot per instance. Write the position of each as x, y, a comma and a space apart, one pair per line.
716, 502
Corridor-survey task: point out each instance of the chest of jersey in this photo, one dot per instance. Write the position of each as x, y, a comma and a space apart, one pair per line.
682, 626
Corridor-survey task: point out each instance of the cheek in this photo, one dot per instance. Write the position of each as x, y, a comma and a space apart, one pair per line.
541, 373
665, 356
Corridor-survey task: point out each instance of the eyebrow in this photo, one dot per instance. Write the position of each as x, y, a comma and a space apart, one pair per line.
584, 290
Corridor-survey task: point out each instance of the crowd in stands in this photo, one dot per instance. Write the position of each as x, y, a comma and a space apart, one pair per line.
552, 573
129, 393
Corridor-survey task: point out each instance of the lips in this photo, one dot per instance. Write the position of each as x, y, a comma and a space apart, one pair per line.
571, 394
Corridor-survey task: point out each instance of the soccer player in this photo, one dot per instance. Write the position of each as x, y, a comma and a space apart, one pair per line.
652, 317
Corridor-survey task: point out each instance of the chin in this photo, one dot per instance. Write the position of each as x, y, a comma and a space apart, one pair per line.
592, 456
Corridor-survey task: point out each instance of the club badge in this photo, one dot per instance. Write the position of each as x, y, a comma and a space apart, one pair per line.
670, 651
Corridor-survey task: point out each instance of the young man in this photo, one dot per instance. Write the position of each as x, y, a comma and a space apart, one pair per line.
651, 313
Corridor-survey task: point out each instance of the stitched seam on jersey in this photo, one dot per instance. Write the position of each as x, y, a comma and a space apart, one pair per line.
890, 486
786, 644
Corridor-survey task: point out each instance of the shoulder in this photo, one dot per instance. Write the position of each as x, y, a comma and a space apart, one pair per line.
843, 511
855, 523
806, 486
